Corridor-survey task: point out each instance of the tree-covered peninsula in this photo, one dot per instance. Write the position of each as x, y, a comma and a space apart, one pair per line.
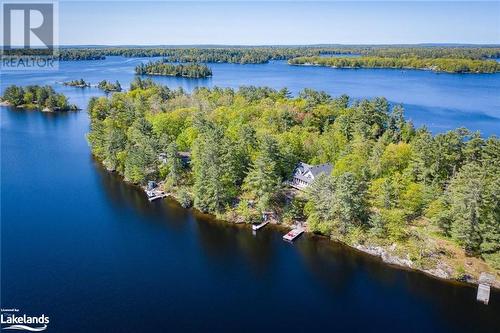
161, 67
450, 65
36, 97
431, 199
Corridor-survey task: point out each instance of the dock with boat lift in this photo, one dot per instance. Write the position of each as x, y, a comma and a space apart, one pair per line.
483, 289
155, 195
293, 234
154, 192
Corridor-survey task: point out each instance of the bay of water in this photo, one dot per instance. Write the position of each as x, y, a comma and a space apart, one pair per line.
89, 251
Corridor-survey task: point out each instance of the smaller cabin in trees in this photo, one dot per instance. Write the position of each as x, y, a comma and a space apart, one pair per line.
184, 156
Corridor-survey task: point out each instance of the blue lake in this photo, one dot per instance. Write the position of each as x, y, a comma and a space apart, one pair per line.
90, 252
438, 100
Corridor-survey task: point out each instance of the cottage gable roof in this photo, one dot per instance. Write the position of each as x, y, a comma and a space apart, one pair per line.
308, 173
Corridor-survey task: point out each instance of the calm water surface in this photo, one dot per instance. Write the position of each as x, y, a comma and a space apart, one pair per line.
93, 254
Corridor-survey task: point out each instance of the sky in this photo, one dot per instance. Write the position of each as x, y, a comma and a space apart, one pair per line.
277, 23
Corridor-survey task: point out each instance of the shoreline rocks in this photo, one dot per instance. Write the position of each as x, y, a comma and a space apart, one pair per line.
385, 255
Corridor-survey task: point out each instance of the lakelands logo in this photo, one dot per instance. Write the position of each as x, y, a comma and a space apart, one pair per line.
11, 320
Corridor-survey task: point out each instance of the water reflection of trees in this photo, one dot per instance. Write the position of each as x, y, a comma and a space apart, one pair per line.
229, 243
359, 280
125, 196
359, 277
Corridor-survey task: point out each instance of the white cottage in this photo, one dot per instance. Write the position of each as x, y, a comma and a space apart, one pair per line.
305, 174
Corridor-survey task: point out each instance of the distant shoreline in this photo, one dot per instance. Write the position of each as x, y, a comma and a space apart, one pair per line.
393, 68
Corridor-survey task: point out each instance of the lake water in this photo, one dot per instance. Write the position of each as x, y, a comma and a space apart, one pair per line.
90, 252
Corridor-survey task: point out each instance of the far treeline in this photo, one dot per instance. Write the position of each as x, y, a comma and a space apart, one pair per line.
240, 55
259, 55
455, 65
391, 183
161, 67
37, 97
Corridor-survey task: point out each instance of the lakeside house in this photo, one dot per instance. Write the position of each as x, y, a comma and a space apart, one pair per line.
305, 174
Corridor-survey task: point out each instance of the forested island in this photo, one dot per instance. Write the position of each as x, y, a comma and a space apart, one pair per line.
161, 67
42, 98
104, 85
432, 200
77, 83
449, 65
109, 86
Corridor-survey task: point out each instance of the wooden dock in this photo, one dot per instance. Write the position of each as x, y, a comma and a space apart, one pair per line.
155, 195
483, 289
256, 227
294, 233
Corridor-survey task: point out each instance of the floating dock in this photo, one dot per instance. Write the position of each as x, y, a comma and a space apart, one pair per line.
155, 195
294, 233
483, 289
258, 226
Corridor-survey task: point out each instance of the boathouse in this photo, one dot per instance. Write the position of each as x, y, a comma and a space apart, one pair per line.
305, 174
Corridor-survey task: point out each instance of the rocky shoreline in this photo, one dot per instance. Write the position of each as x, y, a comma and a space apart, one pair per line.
441, 271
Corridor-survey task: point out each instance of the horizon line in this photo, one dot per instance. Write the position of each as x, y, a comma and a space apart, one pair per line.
451, 44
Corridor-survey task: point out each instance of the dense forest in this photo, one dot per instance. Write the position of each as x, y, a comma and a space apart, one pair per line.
455, 65
161, 67
109, 86
258, 55
37, 97
390, 184
77, 83
241, 55
453, 52
81, 54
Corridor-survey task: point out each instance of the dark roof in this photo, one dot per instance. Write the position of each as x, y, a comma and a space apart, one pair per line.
321, 168
302, 168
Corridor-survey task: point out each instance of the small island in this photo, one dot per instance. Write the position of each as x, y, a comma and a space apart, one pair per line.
448, 65
109, 86
77, 83
162, 67
42, 98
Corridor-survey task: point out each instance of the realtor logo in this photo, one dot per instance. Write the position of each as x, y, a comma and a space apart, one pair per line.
29, 35
34, 20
